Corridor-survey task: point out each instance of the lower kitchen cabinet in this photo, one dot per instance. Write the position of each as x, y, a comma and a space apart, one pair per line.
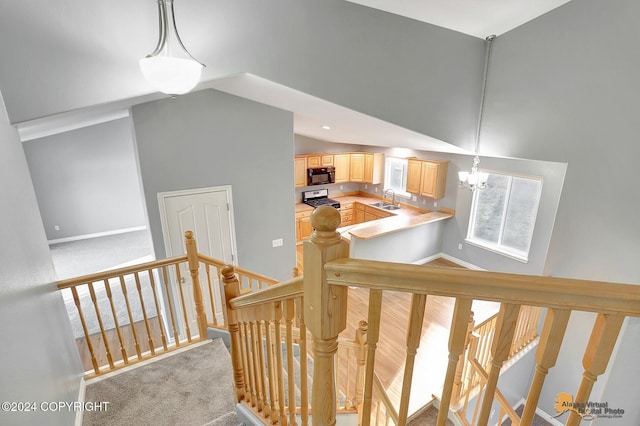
303, 225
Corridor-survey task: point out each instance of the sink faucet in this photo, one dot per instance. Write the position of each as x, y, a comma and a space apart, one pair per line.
393, 195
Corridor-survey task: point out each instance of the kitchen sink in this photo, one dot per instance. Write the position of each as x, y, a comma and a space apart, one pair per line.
385, 206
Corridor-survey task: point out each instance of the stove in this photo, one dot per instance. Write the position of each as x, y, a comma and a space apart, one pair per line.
319, 197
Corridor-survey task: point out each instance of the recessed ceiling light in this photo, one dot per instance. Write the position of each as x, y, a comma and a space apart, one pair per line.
325, 127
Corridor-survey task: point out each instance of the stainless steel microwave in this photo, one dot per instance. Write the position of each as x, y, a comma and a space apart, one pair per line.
321, 175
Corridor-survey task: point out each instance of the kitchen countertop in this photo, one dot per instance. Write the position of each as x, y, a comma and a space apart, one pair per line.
404, 218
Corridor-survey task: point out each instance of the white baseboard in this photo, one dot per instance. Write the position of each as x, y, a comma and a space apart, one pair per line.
96, 235
461, 262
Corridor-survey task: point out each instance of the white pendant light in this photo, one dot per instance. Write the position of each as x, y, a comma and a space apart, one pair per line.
476, 179
170, 68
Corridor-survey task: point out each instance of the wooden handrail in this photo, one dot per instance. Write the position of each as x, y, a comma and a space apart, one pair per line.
285, 290
238, 270
560, 293
114, 273
379, 387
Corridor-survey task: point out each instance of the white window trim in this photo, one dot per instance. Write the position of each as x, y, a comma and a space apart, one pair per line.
403, 194
500, 249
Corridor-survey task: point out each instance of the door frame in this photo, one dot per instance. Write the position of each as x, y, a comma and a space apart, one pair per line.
162, 196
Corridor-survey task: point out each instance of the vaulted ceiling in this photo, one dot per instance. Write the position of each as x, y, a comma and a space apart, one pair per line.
100, 44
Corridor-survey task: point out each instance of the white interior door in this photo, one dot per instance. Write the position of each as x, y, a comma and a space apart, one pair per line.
208, 213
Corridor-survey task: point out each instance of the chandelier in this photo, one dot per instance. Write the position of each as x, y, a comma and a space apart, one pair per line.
170, 68
476, 179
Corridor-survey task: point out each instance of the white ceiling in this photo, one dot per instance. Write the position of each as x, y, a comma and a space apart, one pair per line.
474, 17
479, 18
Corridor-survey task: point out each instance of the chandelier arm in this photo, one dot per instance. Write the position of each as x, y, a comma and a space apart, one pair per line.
173, 18
162, 28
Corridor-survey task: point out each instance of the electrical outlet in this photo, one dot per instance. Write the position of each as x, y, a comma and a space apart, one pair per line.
341, 187
414, 198
460, 246
366, 186
376, 188
424, 201
277, 243
56, 227
435, 204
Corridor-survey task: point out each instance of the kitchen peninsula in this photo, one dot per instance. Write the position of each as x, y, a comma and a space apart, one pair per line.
408, 234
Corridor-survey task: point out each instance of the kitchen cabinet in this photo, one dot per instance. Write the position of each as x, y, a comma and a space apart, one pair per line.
300, 171
427, 178
356, 167
342, 164
313, 160
374, 168
303, 225
414, 168
358, 213
346, 214
326, 160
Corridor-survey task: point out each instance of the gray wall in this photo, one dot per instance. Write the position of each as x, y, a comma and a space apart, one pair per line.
416, 75
86, 180
564, 88
209, 138
38, 361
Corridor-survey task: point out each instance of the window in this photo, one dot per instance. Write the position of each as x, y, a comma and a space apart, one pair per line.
504, 213
395, 175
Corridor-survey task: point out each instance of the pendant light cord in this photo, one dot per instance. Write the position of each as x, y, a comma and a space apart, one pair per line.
489, 40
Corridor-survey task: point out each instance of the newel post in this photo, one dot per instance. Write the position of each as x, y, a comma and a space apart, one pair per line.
194, 267
325, 309
231, 291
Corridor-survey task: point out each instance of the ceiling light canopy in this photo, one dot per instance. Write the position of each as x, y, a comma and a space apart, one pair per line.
476, 179
170, 68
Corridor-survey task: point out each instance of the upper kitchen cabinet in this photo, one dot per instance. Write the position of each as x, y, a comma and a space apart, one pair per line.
342, 164
300, 171
374, 168
427, 178
356, 170
367, 167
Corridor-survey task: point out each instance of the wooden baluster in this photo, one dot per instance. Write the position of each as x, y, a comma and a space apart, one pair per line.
144, 314
304, 383
596, 357
555, 325
325, 309
123, 351
165, 278
261, 372
462, 363
247, 362
361, 354
289, 315
187, 330
231, 291
194, 267
279, 361
134, 333
414, 331
251, 395
373, 334
76, 301
505, 328
214, 319
256, 373
273, 397
457, 338
101, 325
152, 281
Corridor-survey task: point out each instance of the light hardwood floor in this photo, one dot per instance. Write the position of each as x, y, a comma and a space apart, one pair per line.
432, 356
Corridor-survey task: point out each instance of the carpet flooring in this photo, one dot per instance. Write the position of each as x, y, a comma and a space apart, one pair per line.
191, 388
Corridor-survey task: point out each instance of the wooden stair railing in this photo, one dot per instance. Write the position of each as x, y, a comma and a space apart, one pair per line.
329, 274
